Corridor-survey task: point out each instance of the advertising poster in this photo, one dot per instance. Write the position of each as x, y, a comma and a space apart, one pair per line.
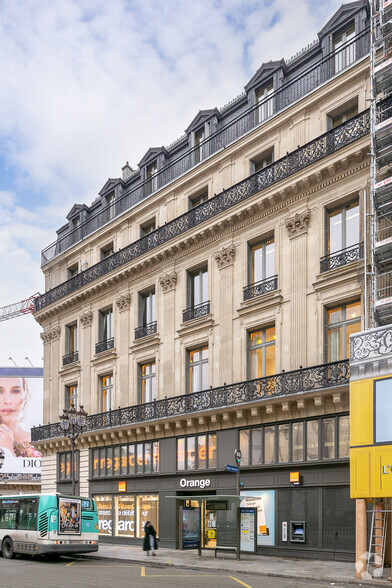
248, 516
69, 519
190, 527
264, 502
105, 513
21, 408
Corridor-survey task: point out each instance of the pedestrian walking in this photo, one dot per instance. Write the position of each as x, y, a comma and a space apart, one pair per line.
150, 542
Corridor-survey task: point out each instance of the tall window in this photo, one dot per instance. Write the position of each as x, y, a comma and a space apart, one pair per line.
343, 321
75, 228
71, 335
110, 210
152, 178
343, 227
147, 382
72, 270
106, 392
71, 396
199, 138
262, 261
198, 369
382, 410
262, 353
105, 324
344, 57
198, 287
147, 308
264, 97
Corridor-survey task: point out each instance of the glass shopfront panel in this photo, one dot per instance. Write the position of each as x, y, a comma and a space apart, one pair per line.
124, 516
147, 510
105, 514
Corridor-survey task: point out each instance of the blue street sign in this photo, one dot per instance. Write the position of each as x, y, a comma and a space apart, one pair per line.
230, 468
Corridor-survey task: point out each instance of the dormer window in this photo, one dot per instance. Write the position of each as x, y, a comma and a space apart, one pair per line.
152, 178
75, 229
264, 97
199, 138
110, 206
344, 48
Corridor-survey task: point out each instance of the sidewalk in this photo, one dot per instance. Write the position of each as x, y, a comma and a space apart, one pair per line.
300, 569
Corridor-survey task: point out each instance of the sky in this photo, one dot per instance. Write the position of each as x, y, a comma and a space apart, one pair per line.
86, 85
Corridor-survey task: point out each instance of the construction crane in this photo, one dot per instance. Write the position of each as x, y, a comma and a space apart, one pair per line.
18, 308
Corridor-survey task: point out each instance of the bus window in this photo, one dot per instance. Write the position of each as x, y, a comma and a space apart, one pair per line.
28, 514
8, 513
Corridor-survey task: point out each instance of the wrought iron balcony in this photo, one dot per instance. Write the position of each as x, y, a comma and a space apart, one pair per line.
145, 330
70, 358
342, 257
312, 379
258, 288
196, 311
299, 159
104, 345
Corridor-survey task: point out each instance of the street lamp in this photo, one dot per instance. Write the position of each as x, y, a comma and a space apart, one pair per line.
73, 422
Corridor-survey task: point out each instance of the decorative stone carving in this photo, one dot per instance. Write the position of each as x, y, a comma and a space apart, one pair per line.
124, 302
86, 318
168, 282
51, 334
225, 257
298, 224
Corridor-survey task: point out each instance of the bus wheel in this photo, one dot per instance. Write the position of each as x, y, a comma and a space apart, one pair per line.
7, 548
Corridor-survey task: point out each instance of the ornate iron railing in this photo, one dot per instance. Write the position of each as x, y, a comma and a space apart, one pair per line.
259, 288
317, 149
373, 344
145, 330
314, 378
196, 311
342, 257
291, 91
104, 345
70, 358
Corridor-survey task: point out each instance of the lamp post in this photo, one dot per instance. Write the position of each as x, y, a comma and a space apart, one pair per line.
73, 422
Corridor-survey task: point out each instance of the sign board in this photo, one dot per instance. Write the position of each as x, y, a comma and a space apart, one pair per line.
248, 530
122, 486
230, 468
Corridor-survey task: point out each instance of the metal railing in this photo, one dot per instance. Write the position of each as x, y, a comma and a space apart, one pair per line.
258, 288
104, 345
299, 159
342, 257
196, 311
70, 358
145, 330
291, 91
309, 379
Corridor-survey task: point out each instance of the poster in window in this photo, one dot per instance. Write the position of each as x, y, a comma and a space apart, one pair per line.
264, 502
70, 514
105, 513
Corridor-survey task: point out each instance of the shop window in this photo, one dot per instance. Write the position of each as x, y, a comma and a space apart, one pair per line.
64, 466
196, 452
298, 441
120, 460
71, 396
147, 382
147, 510
244, 446
312, 440
261, 353
257, 446
344, 436
105, 514
269, 445
383, 410
265, 101
198, 198
106, 251
344, 48
106, 392
152, 178
343, 228
328, 438
342, 321
124, 520
283, 443
198, 369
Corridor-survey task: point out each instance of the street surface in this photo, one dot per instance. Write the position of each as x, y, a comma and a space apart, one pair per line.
26, 572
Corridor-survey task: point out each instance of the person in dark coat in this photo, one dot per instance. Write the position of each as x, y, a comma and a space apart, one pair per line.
150, 542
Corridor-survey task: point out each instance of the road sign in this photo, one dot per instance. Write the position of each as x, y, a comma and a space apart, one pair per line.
230, 468
238, 455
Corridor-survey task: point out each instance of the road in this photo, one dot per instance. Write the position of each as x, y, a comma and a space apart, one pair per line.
25, 572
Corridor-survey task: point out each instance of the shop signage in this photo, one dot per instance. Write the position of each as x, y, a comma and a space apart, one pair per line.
198, 483
122, 486
295, 478
387, 469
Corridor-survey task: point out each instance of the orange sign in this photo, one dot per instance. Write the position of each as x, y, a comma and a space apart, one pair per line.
122, 486
294, 477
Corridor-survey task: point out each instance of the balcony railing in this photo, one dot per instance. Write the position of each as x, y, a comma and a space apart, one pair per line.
308, 80
196, 311
299, 159
104, 345
70, 358
258, 288
145, 330
342, 257
310, 379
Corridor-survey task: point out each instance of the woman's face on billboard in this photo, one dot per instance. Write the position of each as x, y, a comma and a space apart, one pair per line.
11, 399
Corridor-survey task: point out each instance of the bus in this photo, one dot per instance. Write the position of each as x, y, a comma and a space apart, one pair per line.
42, 524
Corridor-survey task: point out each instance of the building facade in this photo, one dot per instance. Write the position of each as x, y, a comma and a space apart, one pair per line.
204, 303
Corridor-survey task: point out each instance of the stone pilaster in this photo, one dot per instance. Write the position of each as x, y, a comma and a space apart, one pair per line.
123, 335
225, 259
86, 349
167, 331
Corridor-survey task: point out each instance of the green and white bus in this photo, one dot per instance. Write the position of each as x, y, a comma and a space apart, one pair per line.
47, 523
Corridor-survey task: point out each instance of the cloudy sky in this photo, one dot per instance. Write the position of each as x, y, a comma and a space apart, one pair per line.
86, 85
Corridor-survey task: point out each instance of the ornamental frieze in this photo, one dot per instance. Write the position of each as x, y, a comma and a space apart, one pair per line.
225, 257
168, 282
298, 224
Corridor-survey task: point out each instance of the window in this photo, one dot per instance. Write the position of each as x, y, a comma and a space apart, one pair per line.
261, 161
343, 117
71, 396
383, 410
106, 392
125, 459
328, 438
8, 513
265, 100
261, 353
198, 199
106, 324
28, 508
344, 436
199, 138
198, 369
343, 321
343, 228
197, 452
107, 251
124, 509
261, 261
147, 386
344, 48
71, 335
283, 443
298, 441
147, 227
312, 440
147, 308
147, 510
64, 465
198, 287
72, 270
110, 207
152, 178
75, 229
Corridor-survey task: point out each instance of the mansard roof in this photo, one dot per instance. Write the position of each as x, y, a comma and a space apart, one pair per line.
75, 210
201, 118
344, 13
264, 72
152, 154
109, 185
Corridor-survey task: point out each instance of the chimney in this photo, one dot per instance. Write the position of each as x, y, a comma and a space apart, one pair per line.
127, 171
